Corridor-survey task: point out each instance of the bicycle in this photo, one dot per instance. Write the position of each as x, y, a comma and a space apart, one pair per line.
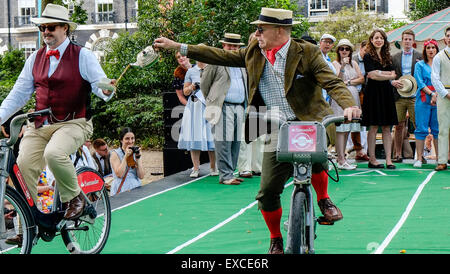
302, 143
86, 235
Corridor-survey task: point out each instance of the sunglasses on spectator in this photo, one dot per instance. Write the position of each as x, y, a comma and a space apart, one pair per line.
344, 49
49, 27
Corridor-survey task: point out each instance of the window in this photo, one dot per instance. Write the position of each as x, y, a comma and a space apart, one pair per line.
318, 7
29, 47
369, 5
27, 9
105, 11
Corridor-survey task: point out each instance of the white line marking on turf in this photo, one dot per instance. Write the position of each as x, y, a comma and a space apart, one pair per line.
405, 215
161, 192
221, 224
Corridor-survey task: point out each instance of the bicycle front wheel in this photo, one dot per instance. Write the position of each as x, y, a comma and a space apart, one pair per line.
297, 237
19, 222
87, 235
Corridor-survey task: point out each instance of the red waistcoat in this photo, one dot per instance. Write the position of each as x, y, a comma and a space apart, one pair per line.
66, 92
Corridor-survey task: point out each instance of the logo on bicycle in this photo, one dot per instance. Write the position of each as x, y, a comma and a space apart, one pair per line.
302, 138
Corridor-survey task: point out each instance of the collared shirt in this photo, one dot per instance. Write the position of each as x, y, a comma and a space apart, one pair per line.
23, 89
328, 61
407, 63
436, 75
236, 92
271, 85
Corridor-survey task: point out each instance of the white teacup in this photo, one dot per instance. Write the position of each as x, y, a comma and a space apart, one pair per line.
105, 83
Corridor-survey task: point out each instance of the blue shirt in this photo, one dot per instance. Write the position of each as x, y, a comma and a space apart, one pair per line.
407, 63
23, 89
236, 92
328, 61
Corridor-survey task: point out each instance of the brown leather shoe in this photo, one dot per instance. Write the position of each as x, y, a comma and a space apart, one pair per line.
246, 174
329, 210
15, 240
276, 246
397, 159
75, 207
362, 158
441, 167
234, 181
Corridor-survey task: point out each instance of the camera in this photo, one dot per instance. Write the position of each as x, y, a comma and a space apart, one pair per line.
135, 150
197, 85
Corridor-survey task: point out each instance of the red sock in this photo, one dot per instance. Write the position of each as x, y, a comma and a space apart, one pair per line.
320, 184
273, 220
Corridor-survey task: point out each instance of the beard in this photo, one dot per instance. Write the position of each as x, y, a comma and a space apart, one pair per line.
50, 40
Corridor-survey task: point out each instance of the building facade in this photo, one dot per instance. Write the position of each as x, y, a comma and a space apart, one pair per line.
317, 10
106, 18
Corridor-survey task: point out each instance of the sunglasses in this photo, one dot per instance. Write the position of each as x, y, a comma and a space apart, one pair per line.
49, 27
344, 49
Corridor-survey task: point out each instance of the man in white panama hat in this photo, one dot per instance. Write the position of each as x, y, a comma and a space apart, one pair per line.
288, 75
224, 89
63, 75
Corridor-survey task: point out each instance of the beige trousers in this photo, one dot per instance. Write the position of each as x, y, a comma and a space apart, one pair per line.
52, 145
443, 114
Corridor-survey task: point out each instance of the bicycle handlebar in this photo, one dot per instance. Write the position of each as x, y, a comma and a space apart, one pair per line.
277, 117
17, 122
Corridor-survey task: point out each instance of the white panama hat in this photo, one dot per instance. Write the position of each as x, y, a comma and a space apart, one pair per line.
409, 86
54, 14
272, 16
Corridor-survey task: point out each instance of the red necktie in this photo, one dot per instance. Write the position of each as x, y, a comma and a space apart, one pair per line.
53, 53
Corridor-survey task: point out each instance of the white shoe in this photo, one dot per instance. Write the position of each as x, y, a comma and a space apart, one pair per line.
346, 166
194, 174
214, 172
417, 164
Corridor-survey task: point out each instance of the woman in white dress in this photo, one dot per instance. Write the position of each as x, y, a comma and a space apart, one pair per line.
348, 70
195, 133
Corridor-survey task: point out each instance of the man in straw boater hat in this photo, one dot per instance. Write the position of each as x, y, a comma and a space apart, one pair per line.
225, 90
63, 75
286, 74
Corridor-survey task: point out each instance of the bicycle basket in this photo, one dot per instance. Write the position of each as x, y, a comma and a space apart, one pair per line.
306, 143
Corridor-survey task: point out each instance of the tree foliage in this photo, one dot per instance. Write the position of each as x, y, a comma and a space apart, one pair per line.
422, 8
353, 25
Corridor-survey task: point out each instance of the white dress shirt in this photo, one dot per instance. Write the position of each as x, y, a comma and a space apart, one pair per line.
23, 89
436, 75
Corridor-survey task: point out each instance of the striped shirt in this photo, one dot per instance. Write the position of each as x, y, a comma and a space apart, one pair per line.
271, 85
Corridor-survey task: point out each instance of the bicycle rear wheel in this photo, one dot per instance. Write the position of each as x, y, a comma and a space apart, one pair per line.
297, 237
19, 221
89, 234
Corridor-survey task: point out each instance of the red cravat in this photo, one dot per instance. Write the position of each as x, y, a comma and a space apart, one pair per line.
53, 53
271, 53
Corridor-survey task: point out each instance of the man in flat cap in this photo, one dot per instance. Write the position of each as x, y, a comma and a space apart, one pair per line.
287, 75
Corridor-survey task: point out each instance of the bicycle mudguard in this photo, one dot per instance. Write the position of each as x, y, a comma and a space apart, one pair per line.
89, 180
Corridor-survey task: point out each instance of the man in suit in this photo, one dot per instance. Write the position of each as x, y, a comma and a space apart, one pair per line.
101, 157
404, 62
224, 89
287, 75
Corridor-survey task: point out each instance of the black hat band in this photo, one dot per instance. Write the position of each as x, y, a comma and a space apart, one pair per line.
275, 20
231, 40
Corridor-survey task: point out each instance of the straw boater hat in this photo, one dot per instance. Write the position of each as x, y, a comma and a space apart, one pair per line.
54, 14
409, 86
271, 16
232, 39
345, 42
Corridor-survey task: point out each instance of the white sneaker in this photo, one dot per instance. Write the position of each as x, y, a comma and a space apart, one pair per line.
194, 174
214, 172
417, 164
346, 166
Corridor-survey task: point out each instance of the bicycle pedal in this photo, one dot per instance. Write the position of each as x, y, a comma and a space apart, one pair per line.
322, 221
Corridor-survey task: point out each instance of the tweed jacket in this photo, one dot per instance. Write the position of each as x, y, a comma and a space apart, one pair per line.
215, 83
306, 73
397, 63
